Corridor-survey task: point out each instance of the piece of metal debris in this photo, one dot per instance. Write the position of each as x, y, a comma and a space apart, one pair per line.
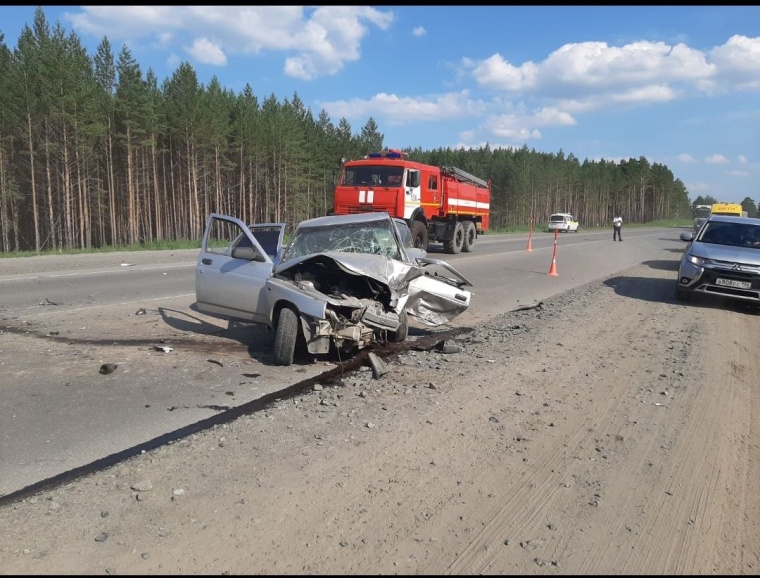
448, 347
163, 348
536, 305
219, 363
48, 302
140, 311
107, 368
379, 367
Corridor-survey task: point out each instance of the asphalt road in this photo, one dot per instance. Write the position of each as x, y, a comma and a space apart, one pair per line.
63, 317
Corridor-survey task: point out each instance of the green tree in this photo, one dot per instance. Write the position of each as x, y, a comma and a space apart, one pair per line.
750, 206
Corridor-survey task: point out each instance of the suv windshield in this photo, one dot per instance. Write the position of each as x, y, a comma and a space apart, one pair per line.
732, 234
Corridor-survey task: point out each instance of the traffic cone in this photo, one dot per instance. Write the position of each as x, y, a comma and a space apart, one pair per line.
530, 246
553, 268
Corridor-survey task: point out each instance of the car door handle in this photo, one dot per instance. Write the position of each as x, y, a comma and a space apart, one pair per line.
206, 261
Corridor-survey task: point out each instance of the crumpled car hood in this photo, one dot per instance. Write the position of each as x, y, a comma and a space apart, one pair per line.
393, 273
429, 300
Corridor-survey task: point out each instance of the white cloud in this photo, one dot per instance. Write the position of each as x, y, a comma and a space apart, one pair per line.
716, 160
397, 110
496, 72
738, 173
419, 31
207, 52
686, 158
316, 41
738, 61
589, 75
595, 65
521, 127
698, 187
743, 159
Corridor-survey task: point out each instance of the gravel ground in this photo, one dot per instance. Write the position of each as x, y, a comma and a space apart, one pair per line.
609, 430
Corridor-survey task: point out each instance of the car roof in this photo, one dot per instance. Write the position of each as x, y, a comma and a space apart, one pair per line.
734, 219
561, 214
331, 220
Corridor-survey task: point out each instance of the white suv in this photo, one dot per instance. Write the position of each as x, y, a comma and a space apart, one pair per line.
564, 222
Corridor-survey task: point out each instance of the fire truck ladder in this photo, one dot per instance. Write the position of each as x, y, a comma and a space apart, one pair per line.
465, 176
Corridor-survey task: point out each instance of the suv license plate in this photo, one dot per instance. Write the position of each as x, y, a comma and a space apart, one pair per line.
732, 283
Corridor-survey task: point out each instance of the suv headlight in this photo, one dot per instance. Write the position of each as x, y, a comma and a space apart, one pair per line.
698, 261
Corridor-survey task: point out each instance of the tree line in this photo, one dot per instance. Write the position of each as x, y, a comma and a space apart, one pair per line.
95, 153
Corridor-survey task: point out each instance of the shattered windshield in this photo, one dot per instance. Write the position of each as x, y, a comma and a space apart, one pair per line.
374, 238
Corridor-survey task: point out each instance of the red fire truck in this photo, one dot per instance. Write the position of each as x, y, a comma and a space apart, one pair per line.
440, 204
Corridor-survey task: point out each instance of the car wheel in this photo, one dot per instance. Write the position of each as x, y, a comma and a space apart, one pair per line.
285, 337
403, 329
455, 245
470, 234
419, 235
682, 294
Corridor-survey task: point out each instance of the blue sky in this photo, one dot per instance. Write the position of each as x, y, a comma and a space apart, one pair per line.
677, 85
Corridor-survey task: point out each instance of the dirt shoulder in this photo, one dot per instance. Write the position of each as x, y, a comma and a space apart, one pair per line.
610, 431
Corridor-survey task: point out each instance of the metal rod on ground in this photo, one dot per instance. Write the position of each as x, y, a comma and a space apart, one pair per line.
553, 268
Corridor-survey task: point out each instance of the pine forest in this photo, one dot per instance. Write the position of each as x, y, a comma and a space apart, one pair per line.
96, 153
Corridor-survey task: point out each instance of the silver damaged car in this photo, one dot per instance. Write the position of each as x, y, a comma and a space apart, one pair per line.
343, 281
722, 259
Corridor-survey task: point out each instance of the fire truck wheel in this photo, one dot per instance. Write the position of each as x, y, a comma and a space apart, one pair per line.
469, 236
455, 245
419, 235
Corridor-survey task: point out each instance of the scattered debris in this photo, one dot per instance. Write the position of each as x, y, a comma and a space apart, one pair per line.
379, 367
140, 311
536, 305
107, 368
48, 302
219, 363
164, 349
127, 264
448, 347
142, 486
531, 544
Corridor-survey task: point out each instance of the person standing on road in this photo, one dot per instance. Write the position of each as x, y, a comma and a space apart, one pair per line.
617, 225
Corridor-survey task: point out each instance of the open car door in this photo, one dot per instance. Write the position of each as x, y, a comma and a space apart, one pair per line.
233, 266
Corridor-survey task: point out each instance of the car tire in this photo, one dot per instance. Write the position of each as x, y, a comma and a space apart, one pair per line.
419, 235
285, 337
403, 329
470, 234
682, 294
454, 246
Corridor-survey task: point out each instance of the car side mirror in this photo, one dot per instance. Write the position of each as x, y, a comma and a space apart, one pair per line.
247, 253
416, 253
686, 236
